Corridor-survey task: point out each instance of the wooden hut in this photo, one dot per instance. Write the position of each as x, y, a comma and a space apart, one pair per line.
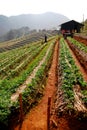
70, 27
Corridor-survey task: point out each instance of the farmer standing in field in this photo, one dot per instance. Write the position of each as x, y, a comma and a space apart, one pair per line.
45, 38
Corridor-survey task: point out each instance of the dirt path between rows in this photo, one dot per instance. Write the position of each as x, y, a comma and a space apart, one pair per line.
29, 79
37, 118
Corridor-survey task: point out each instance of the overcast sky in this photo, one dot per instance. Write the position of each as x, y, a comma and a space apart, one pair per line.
73, 9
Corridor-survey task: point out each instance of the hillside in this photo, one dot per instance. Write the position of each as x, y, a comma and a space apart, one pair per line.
14, 33
47, 20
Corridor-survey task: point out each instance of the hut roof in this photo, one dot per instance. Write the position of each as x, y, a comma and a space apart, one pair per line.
71, 25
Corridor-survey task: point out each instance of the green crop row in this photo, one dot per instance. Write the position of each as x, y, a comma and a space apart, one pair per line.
15, 52
14, 68
70, 73
80, 45
16, 56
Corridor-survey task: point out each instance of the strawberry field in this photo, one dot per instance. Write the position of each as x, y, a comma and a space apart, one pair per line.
25, 70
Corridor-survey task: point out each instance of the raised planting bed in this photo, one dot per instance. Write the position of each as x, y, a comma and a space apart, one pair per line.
81, 39
80, 54
71, 96
80, 45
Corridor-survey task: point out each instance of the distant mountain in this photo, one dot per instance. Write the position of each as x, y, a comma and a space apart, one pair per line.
4, 24
47, 20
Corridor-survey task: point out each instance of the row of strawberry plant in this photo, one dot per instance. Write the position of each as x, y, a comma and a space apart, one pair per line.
80, 45
81, 39
70, 74
81, 55
32, 92
17, 54
15, 67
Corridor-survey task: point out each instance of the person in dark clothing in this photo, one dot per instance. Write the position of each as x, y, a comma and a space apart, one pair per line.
45, 38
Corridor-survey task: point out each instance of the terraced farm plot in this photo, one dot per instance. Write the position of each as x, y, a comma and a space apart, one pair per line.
29, 38
25, 70
15, 66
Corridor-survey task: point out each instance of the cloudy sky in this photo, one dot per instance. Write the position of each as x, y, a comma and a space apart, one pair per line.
73, 9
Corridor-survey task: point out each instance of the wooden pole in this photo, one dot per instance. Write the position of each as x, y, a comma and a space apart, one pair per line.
21, 107
48, 113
